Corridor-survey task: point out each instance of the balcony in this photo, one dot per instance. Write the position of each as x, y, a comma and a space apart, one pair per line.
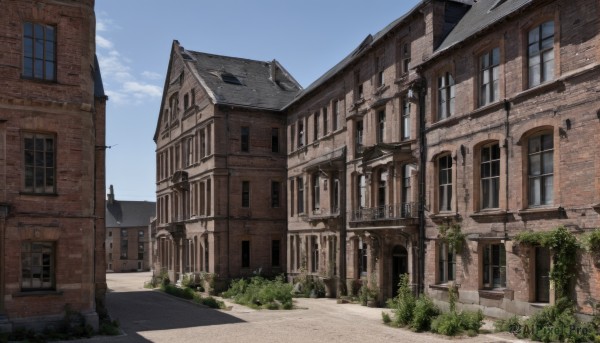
407, 212
322, 214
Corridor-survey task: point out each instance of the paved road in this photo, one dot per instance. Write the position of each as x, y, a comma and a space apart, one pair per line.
151, 316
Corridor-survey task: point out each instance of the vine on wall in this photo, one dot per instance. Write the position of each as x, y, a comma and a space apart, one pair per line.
564, 246
453, 236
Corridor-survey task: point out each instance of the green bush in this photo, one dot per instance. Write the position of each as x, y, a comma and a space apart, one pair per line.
448, 324
471, 321
386, 317
558, 323
259, 292
512, 325
404, 303
211, 302
424, 312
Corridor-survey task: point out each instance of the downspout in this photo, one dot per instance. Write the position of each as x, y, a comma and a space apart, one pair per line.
506, 172
422, 91
228, 192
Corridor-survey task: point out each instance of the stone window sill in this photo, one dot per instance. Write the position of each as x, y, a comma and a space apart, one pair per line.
36, 293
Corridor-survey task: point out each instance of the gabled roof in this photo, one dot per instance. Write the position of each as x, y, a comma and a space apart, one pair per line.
243, 82
125, 214
234, 81
364, 46
481, 15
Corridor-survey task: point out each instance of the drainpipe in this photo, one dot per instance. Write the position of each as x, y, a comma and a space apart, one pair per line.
422, 164
228, 194
506, 172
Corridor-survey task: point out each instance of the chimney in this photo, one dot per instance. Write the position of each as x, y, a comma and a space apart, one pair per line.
111, 195
273, 71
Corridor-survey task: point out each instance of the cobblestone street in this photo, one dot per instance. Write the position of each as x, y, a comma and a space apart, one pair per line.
151, 316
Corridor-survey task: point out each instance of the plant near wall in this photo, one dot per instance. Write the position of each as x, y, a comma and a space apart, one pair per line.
453, 236
564, 246
591, 242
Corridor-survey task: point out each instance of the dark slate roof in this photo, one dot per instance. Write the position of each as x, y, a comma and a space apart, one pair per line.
129, 213
98, 86
483, 14
256, 90
369, 41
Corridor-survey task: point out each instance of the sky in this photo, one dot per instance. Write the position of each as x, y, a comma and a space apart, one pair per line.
133, 43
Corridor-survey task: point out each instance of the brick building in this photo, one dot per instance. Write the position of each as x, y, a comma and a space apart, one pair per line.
52, 122
511, 128
480, 115
127, 234
220, 150
353, 159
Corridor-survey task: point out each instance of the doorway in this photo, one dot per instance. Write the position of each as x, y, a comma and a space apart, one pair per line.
542, 275
399, 266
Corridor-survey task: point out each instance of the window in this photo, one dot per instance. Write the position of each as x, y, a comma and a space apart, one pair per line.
381, 190
405, 57
245, 138
292, 190
445, 183
316, 192
300, 133
359, 137
490, 176
405, 118
445, 96
275, 187
325, 121
188, 157
336, 114
39, 163
541, 169
141, 234
446, 263
39, 51
541, 53
292, 137
245, 194
314, 267
494, 266
124, 244
186, 101
358, 90
274, 139
379, 80
140, 251
316, 119
275, 252
362, 189
406, 190
335, 203
37, 265
380, 126
245, 254
300, 195
362, 258
489, 73
174, 106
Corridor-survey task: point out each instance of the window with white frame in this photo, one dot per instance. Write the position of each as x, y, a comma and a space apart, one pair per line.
489, 77
405, 118
540, 51
445, 183
490, 176
446, 96
541, 169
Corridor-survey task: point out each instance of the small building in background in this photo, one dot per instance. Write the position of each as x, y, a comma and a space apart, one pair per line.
127, 234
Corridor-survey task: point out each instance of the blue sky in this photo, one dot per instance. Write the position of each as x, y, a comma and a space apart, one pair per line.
134, 37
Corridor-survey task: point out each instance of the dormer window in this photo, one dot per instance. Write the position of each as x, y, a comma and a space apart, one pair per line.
230, 78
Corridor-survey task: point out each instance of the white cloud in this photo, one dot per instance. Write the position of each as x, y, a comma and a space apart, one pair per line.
120, 82
152, 75
103, 42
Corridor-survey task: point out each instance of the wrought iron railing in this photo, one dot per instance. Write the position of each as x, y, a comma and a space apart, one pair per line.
385, 212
